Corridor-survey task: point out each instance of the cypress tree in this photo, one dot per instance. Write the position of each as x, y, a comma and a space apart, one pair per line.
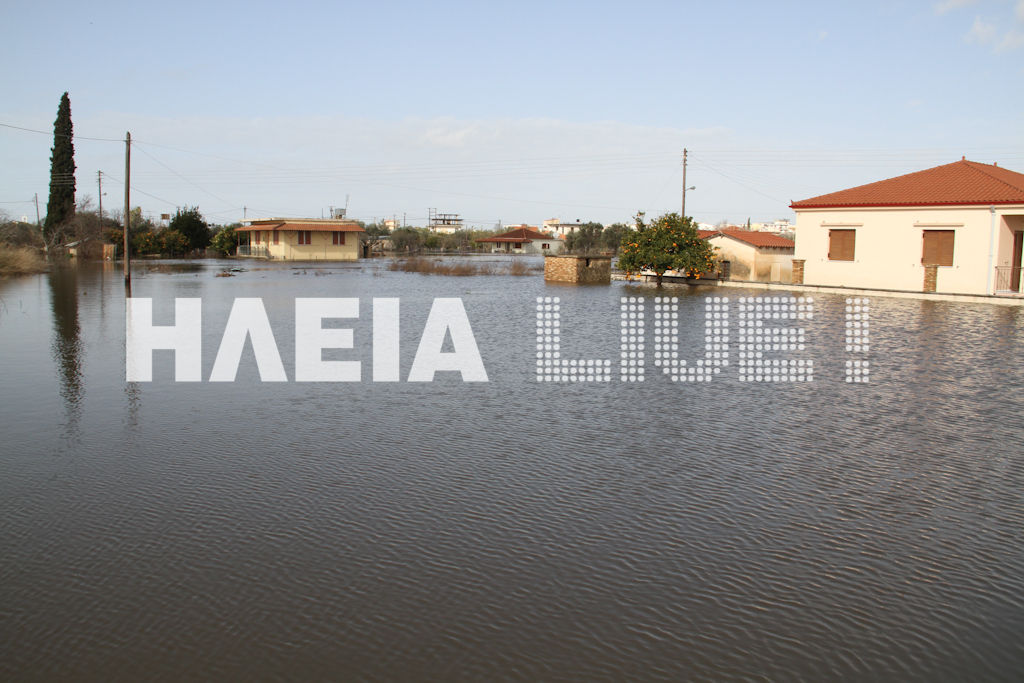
60, 209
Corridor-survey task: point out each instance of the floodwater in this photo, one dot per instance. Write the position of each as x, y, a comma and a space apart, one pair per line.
512, 529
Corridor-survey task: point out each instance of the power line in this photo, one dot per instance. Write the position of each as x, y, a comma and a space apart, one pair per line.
136, 189
73, 136
220, 199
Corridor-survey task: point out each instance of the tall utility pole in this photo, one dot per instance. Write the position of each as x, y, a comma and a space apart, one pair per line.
683, 214
99, 181
39, 222
127, 207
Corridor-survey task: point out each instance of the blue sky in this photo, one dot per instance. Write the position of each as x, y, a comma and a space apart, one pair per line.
514, 112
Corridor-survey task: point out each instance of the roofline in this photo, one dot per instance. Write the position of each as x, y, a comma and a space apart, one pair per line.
797, 206
326, 221
318, 226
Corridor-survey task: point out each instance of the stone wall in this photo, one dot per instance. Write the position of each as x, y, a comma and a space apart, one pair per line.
931, 275
798, 271
584, 270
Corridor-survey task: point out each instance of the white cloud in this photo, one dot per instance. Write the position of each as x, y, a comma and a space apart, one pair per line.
982, 32
1012, 40
949, 5
988, 32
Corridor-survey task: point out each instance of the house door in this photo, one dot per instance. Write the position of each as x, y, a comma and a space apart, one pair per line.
1018, 246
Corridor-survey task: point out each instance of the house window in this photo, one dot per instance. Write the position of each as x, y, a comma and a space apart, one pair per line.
545, 245
519, 245
938, 248
305, 237
339, 237
841, 245
255, 237
275, 237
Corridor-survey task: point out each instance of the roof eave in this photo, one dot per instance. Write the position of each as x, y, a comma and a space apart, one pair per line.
797, 206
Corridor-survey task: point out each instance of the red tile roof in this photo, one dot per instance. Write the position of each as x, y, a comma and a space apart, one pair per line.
302, 224
519, 235
752, 237
758, 239
962, 182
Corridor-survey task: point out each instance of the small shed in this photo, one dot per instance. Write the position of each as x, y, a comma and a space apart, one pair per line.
583, 270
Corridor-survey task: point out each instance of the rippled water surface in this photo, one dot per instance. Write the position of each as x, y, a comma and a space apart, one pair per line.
508, 529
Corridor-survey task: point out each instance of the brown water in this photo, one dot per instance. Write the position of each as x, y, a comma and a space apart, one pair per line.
507, 530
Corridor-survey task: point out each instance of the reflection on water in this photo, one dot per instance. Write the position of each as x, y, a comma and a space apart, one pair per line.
509, 529
67, 344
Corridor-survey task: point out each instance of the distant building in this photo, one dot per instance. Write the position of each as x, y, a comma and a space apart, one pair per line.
301, 239
556, 227
445, 223
777, 226
956, 228
524, 240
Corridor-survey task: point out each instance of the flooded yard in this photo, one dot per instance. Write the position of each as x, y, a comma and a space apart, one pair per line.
508, 529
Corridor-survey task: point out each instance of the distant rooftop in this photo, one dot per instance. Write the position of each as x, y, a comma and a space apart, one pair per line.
310, 224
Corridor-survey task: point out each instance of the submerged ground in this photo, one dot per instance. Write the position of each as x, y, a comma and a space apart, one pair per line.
513, 529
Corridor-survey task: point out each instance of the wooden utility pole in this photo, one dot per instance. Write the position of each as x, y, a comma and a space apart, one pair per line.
99, 181
683, 214
127, 208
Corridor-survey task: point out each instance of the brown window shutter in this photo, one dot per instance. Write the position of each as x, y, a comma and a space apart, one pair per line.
841, 244
937, 249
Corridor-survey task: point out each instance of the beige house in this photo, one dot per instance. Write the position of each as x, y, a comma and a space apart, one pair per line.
753, 256
956, 228
301, 239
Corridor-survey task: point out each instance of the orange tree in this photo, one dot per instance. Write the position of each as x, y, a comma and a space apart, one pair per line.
667, 243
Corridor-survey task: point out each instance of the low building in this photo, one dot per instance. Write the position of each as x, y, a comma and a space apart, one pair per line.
524, 241
581, 270
956, 228
301, 239
753, 256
